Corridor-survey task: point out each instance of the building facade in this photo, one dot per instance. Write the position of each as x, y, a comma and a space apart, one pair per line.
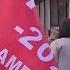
53, 12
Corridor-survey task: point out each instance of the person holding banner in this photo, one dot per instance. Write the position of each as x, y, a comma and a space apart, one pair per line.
61, 47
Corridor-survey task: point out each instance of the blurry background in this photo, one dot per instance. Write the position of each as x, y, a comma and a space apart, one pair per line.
53, 12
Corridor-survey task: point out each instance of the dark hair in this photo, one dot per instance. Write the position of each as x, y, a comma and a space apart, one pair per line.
64, 30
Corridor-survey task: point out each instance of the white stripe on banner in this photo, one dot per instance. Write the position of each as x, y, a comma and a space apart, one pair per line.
30, 4
19, 29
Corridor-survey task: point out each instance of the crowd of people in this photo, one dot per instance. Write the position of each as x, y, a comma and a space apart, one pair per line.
59, 41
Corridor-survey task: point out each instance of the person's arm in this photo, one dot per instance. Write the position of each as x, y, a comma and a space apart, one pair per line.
54, 48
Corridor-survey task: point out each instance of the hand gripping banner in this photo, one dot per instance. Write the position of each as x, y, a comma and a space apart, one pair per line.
23, 41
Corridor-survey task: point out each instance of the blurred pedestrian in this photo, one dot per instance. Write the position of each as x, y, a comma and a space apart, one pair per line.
54, 32
61, 46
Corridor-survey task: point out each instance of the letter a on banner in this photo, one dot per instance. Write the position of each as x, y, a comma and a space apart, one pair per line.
23, 40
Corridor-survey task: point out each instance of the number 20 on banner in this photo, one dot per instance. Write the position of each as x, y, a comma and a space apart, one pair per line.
25, 41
